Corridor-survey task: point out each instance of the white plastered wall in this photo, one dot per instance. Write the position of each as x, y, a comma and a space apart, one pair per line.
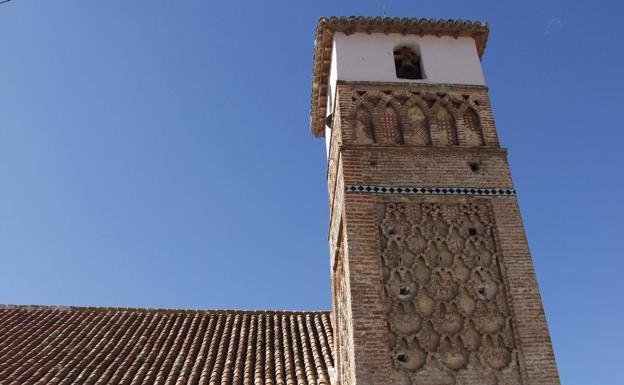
331, 92
445, 59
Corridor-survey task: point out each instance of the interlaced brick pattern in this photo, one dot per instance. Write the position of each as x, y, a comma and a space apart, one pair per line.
415, 116
448, 312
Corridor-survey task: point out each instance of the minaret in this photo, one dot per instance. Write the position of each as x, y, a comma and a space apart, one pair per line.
433, 282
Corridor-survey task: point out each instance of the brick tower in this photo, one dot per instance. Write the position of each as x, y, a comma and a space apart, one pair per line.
432, 278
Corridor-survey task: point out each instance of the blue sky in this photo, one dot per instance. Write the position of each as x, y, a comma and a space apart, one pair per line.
158, 154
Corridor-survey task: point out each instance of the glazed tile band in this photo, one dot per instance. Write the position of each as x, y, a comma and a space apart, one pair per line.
481, 191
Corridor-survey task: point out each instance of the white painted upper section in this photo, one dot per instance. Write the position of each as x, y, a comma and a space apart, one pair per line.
333, 72
370, 57
445, 59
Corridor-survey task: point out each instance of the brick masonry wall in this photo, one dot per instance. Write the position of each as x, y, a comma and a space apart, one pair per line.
356, 159
529, 318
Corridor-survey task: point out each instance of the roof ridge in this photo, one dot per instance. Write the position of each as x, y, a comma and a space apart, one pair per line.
158, 310
416, 20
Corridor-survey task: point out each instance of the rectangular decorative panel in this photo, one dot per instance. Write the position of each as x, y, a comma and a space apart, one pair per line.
449, 317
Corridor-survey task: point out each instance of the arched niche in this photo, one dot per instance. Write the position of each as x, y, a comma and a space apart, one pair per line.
388, 131
447, 129
363, 126
416, 131
473, 132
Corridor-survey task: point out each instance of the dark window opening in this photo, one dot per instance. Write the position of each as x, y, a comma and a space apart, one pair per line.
407, 64
401, 357
472, 231
474, 166
329, 121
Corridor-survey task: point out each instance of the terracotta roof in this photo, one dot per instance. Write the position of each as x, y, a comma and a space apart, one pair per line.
80, 345
328, 26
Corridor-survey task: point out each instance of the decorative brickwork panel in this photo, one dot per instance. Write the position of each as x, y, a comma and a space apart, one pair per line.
363, 123
446, 127
416, 114
474, 134
389, 132
417, 130
448, 313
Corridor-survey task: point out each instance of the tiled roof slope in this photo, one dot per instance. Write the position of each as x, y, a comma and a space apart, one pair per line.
326, 28
74, 345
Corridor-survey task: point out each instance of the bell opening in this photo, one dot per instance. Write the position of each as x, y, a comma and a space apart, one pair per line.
329, 121
407, 64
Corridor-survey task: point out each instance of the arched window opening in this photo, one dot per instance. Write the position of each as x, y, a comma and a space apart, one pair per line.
389, 131
474, 133
446, 126
407, 63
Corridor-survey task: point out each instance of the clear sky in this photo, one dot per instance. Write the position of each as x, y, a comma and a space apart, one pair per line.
158, 154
